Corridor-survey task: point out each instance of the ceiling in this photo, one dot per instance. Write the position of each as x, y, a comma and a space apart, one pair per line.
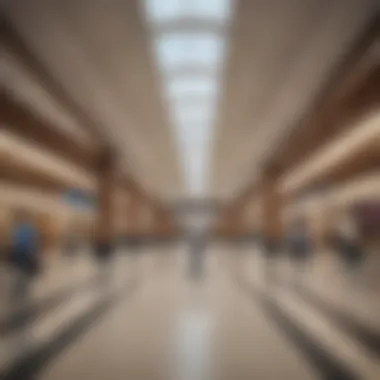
100, 53
282, 53
277, 56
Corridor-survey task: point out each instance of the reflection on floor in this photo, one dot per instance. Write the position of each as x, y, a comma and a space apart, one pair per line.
151, 321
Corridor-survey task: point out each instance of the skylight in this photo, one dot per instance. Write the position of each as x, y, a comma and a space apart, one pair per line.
201, 117
190, 61
194, 134
161, 11
189, 49
191, 87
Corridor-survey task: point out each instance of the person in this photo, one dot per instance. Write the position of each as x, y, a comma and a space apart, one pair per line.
104, 253
350, 246
300, 246
24, 254
271, 248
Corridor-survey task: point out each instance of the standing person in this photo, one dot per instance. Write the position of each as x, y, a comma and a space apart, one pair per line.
196, 256
24, 254
350, 245
272, 249
300, 246
104, 252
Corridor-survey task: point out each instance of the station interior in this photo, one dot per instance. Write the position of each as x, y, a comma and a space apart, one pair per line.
202, 183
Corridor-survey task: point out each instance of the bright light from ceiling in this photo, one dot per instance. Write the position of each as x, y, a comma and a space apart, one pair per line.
161, 11
192, 115
191, 95
194, 135
191, 87
189, 49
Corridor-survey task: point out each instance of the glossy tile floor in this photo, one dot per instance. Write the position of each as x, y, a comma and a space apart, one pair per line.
152, 320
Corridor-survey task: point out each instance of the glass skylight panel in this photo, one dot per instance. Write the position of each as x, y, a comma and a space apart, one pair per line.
191, 105
161, 11
176, 50
201, 121
192, 112
189, 55
192, 115
193, 134
191, 87
194, 176
210, 9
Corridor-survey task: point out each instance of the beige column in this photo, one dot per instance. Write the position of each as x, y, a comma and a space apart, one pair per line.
132, 216
104, 230
272, 228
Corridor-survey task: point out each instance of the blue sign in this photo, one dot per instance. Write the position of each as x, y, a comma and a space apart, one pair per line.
77, 197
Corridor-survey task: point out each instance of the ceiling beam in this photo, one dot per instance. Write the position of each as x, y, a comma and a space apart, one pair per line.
20, 172
14, 43
353, 91
20, 120
364, 162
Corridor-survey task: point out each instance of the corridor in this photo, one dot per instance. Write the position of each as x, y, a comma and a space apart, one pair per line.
156, 322
190, 190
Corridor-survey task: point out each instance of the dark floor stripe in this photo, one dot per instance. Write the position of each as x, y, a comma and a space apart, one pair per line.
368, 337
325, 364
29, 366
31, 312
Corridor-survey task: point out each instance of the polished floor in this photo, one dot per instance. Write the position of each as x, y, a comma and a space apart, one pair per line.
244, 319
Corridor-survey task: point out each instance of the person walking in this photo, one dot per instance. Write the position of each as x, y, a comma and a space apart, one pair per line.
350, 244
24, 254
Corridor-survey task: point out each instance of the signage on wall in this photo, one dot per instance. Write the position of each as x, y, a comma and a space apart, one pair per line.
78, 198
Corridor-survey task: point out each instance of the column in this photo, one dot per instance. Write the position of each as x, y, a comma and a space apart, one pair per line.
104, 230
131, 216
235, 224
272, 218
165, 226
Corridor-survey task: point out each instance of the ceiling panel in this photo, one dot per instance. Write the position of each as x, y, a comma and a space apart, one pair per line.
250, 69
281, 55
24, 87
100, 53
